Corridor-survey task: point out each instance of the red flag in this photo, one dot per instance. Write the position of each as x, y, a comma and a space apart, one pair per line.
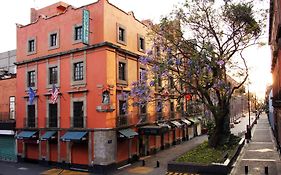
55, 93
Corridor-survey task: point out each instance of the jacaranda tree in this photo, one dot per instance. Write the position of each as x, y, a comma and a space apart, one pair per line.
196, 48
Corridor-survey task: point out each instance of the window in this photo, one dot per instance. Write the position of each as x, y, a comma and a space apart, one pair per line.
122, 107
121, 34
31, 116
78, 33
141, 43
142, 73
78, 71
53, 40
31, 45
12, 107
143, 108
53, 75
157, 51
122, 71
159, 81
172, 107
159, 106
171, 82
31, 79
78, 115
53, 115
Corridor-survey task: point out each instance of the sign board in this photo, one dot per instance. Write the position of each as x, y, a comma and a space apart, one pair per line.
85, 26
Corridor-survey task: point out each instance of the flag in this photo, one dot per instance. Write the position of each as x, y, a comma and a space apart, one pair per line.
55, 93
31, 95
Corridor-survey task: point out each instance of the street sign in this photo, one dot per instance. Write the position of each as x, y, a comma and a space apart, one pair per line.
85, 26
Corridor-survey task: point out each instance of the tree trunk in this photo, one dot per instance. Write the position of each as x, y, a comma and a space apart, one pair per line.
221, 132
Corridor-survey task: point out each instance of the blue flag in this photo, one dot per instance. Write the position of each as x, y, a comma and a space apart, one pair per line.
31, 95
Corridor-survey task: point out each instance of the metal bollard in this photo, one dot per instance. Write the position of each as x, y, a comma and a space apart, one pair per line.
157, 164
246, 169
266, 170
143, 162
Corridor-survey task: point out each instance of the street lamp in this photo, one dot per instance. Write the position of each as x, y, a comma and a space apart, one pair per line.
249, 110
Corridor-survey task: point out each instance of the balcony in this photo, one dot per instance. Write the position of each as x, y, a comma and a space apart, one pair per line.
53, 122
30, 122
78, 122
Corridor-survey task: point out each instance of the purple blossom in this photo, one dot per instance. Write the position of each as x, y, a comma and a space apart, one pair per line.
170, 61
144, 60
149, 52
178, 62
151, 83
155, 68
220, 63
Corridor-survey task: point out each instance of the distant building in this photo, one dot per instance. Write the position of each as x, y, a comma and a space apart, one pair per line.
7, 105
275, 44
91, 55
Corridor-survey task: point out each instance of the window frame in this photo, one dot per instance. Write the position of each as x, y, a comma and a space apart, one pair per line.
28, 51
74, 40
80, 71
74, 61
50, 40
123, 28
31, 77
124, 61
51, 79
12, 114
50, 116
141, 43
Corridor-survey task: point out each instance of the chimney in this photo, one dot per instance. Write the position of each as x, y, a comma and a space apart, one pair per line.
33, 15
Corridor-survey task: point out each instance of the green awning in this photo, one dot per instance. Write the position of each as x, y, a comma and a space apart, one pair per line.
188, 123
153, 130
128, 133
176, 124
26, 134
48, 135
74, 136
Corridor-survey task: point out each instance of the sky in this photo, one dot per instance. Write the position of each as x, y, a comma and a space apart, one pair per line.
258, 58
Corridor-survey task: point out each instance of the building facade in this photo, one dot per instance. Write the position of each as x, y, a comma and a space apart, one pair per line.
275, 44
7, 105
90, 55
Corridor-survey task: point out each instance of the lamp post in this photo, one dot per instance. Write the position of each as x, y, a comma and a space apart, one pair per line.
249, 110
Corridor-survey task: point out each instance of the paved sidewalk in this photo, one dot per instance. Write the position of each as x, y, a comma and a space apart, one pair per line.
163, 156
260, 152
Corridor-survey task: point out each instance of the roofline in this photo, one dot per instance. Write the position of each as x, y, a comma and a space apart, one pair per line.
74, 8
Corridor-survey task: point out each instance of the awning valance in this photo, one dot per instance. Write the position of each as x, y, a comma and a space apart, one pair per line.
176, 124
74, 136
188, 123
26, 134
48, 135
153, 130
128, 133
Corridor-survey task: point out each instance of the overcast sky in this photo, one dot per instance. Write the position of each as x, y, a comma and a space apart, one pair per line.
18, 11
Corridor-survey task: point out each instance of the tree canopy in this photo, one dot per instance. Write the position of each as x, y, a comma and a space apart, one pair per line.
195, 50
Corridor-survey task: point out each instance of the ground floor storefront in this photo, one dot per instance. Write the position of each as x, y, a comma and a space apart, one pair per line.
100, 150
7, 146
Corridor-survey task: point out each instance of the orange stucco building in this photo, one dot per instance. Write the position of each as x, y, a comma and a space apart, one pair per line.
91, 55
